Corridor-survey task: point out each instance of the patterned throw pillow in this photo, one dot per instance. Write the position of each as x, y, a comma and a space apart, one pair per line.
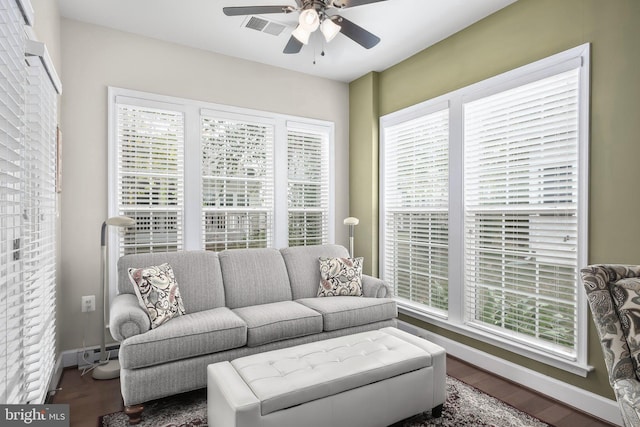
626, 297
157, 292
340, 276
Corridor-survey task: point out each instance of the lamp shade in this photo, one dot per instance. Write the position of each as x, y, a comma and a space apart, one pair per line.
329, 29
120, 221
301, 34
351, 221
309, 20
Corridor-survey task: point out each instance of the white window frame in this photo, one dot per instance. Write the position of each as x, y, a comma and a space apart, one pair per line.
192, 236
453, 319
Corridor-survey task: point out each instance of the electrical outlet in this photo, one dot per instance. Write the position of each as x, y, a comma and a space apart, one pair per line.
88, 303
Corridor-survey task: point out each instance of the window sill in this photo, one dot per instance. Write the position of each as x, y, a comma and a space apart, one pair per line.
564, 364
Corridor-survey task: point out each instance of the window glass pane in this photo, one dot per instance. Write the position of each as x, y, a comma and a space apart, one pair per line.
416, 199
237, 184
521, 198
150, 178
308, 187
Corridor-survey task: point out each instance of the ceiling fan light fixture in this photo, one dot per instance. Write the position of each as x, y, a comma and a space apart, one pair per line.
329, 29
309, 20
301, 34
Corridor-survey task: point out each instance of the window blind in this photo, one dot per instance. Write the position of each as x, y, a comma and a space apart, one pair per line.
237, 183
27, 212
39, 217
416, 200
12, 194
520, 211
150, 180
307, 187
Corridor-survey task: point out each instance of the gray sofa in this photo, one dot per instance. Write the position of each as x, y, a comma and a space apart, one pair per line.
238, 302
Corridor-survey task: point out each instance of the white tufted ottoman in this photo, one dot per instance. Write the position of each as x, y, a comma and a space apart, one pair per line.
369, 379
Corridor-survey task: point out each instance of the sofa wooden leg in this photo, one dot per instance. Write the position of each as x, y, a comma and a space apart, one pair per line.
437, 411
134, 412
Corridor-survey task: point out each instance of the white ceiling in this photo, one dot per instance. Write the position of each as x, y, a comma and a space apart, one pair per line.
405, 27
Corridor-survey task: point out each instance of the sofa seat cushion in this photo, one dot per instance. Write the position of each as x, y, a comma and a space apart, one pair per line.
278, 321
186, 336
341, 312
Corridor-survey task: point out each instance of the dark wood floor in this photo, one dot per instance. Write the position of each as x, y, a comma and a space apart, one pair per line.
89, 398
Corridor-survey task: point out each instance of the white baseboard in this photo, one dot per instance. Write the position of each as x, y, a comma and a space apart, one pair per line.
70, 358
583, 400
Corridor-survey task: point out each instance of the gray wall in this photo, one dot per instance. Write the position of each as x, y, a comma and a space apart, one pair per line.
96, 57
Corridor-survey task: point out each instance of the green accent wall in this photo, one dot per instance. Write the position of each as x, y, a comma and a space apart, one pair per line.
526, 31
363, 168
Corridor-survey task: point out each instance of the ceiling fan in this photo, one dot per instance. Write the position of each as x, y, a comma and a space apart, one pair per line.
315, 14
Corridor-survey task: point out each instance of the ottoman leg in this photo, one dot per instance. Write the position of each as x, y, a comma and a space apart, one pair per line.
437, 411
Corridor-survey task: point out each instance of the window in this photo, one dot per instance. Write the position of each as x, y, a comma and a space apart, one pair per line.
308, 185
491, 246
197, 175
150, 166
28, 134
416, 208
237, 183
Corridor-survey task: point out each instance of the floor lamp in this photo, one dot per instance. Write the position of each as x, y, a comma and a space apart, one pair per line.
107, 369
351, 222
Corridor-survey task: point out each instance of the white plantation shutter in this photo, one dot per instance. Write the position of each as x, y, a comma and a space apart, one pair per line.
307, 186
27, 212
415, 215
237, 182
150, 177
521, 208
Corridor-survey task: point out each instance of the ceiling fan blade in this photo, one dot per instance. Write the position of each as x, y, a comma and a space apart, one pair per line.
255, 10
352, 3
356, 33
293, 46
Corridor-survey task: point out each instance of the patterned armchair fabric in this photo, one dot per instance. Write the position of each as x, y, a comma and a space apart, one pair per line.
613, 292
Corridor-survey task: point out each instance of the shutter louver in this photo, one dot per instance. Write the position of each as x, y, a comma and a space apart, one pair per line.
150, 177
237, 183
308, 187
521, 199
416, 200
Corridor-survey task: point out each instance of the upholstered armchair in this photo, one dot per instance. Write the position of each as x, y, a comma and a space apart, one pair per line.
613, 292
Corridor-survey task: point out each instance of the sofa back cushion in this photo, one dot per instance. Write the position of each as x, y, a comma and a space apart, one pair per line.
197, 273
254, 276
303, 265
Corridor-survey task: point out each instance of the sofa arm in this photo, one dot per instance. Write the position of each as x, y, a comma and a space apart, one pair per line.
373, 287
127, 318
628, 396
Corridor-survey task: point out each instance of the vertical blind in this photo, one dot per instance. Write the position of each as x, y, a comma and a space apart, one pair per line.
307, 187
416, 203
27, 216
520, 215
237, 183
150, 181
